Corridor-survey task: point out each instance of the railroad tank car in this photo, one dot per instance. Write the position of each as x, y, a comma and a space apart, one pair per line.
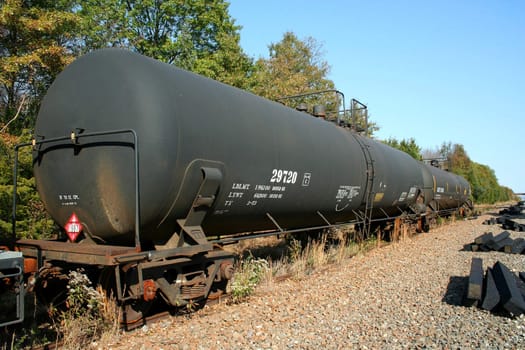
273, 166
450, 191
144, 164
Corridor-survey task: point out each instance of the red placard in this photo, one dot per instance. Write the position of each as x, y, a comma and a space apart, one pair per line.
73, 227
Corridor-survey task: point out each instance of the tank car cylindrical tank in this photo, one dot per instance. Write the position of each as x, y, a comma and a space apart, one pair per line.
272, 159
450, 190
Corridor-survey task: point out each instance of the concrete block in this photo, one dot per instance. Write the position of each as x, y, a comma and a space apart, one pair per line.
518, 246
475, 280
510, 295
484, 238
492, 243
500, 245
491, 295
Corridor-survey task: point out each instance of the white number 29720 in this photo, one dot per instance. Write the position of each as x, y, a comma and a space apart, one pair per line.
283, 176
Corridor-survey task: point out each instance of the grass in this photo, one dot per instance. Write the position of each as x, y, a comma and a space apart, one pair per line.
300, 257
90, 317
90, 314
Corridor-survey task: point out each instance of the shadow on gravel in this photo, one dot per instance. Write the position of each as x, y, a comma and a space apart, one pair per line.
456, 291
274, 250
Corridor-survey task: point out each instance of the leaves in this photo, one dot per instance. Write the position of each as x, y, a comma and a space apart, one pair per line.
32, 220
196, 35
36, 41
408, 146
248, 275
485, 186
296, 67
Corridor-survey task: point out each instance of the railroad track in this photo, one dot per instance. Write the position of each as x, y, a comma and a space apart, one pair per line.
149, 320
162, 315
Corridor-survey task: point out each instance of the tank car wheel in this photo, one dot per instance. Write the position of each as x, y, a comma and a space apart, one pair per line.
135, 312
106, 280
131, 312
218, 289
51, 287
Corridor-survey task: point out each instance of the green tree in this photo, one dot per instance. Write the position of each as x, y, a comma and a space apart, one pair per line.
197, 35
104, 24
32, 221
408, 146
37, 40
296, 67
485, 186
459, 161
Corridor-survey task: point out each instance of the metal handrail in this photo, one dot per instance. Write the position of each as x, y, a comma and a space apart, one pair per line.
318, 93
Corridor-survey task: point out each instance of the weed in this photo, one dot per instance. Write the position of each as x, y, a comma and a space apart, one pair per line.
248, 274
295, 250
89, 315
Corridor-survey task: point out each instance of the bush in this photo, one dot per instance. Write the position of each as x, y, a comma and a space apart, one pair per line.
248, 274
89, 315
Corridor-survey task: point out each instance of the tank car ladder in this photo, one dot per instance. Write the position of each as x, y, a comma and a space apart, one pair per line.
366, 215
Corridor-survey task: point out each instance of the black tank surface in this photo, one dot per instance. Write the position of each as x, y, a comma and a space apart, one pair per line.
450, 190
272, 159
399, 181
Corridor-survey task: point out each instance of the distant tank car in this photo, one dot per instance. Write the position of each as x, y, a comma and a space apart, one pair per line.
143, 164
450, 191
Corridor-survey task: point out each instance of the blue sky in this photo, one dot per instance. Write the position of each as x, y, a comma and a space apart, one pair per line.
437, 71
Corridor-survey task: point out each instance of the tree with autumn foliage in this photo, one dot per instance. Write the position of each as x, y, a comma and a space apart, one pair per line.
37, 40
482, 179
295, 67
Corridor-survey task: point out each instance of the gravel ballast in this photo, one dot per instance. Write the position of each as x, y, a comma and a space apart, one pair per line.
403, 295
